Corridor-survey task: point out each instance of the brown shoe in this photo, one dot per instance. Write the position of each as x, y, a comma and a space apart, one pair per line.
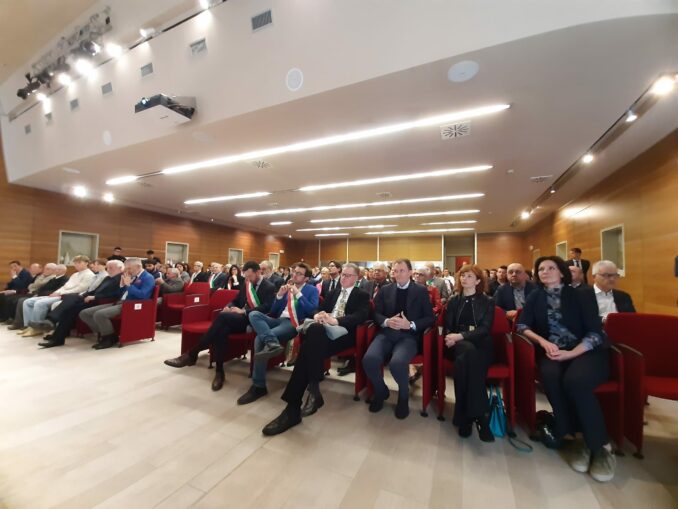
183, 360
14, 326
31, 332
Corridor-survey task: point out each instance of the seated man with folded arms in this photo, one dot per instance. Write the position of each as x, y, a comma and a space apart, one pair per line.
36, 308
8, 301
348, 306
403, 311
65, 315
256, 294
604, 290
512, 296
136, 284
58, 280
293, 303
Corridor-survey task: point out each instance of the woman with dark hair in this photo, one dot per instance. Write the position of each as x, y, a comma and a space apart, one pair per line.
573, 360
468, 342
235, 279
185, 276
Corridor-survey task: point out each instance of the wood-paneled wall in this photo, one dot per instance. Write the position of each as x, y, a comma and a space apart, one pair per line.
495, 249
643, 196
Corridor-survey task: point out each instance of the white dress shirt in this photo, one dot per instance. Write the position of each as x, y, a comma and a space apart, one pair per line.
606, 303
336, 304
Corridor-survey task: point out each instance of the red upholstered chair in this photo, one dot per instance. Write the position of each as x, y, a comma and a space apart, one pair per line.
610, 393
137, 319
173, 304
196, 319
357, 352
649, 344
501, 372
81, 328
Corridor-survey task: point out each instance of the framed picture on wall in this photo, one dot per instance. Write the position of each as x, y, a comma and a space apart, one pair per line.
561, 250
235, 256
176, 252
274, 258
612, 246
72, 244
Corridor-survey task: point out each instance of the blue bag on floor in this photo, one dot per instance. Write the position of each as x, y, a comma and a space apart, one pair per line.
497, 413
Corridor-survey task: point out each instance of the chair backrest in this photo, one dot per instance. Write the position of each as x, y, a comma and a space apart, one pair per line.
221, 298
195, 288
500, 328
655, 336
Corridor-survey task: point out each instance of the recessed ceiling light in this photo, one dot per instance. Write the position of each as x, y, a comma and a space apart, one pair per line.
360, 205
396, 216
147, 32
84, 67
340, 138
121, 180
435, 230
41, 96
227, 198
552, 190
331, 234
631, 117
70, 170
280, 223
588, 158
113, 50
80, 191
663, 85
469, 221
525, 214
399, 178
331, 228
64, 79
109, 198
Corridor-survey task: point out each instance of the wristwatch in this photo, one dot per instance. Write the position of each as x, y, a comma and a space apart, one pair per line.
412, 326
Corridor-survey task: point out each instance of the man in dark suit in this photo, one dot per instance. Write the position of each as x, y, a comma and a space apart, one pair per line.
271, 275
347, 307
512, 297
577, 261
256, 294
379, 280
198, 275
577, 277
66, 313
501, 280
333, 282
403, 312
605, 293
216, 278
60, 278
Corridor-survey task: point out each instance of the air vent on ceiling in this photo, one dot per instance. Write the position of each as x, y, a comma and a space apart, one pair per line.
261, 164
48, 118
384, 194
540, 178
144, 184
261, 20
106, 88
27, 129
451, 131
146, 69
75, 104
199, 47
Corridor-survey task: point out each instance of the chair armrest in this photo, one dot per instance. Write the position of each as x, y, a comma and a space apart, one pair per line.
616, 364
634, 363
198, 313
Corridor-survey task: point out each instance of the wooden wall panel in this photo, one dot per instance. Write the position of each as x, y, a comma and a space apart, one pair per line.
642, 196
362, 249
414, 248
495, 249
333, 249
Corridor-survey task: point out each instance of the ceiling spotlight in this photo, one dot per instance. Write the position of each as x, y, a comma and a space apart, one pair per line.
663, 86
44, 77
206, 4
525, 214
41, 96
109, 198
84, 67
113, 50
23, 93
552, 190
80, 191
588, 158
64, 79
630, 117
90, 47
147, 33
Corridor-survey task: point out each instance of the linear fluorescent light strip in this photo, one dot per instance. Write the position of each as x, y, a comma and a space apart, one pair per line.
435, 230
331, 228
359, 205
399, 178
470, 221
227, 198
331, 234
396, 216
280, 223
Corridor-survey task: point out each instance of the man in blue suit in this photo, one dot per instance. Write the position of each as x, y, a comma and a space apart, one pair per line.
293, 303
512, 297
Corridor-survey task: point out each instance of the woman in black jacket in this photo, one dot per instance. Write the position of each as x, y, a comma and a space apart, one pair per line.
468, 324
573, 360
235, 279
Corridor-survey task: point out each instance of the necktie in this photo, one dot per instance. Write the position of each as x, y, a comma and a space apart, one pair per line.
576, 262
341, 305
376, 291
332, 285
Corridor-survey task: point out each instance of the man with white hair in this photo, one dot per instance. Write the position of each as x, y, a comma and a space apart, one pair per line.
8, 302
198, 276
268, 273
380, 273
605, 293
59, 278
171, 284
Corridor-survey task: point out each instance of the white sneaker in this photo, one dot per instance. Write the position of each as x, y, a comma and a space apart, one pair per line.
603, 465
580, 458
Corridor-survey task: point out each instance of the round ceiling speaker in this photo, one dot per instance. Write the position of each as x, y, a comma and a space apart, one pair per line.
107, 138
463, 71
294, 79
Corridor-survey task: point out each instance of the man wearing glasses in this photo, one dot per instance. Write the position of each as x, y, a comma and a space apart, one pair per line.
609, 299
294, 302
347, 307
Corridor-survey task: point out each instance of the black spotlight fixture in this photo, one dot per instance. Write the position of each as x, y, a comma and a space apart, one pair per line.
90, 47
23, 93
44, 77
33, 86
61, 66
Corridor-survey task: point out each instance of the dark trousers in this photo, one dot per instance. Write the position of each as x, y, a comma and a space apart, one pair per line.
309, 366
8, 305
65, 316
569, 387
398, 346
217, 336
470, 376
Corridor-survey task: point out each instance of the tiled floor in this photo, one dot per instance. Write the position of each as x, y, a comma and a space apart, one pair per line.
118, 429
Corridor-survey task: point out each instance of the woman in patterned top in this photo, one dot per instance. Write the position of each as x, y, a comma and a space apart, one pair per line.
573, 360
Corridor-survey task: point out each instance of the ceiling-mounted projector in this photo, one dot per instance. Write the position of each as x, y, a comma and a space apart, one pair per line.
166, 110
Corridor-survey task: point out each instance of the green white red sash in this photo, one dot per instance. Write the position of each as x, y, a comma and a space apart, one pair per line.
292, 309
252, 297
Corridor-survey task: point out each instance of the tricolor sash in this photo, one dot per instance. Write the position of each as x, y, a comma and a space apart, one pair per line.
252, 297
292, 309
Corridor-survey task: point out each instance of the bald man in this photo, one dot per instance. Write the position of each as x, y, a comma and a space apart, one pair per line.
511, 297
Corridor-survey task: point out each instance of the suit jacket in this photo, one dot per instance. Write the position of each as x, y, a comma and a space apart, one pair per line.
276, 280
109, 288
325, 289
141, 288
483, 313
266, 293
356, 311
622, 300
503, 297
21, 281
585, 265
200, 277
418, 308
368, 286
52, 285
307, 303
175, 285
219, 280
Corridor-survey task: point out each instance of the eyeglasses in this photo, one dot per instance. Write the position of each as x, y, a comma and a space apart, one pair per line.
349, 275
300, 273
608, 276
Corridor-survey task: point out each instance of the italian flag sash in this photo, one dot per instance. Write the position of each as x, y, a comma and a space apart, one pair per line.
292, 309
252, 297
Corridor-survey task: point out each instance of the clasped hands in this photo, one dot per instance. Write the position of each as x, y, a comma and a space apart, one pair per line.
554, 353
398, 322
290, 287
325, 318
453, 338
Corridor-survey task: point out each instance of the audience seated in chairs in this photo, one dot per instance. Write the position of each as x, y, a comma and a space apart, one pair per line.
9, 298
435, 280
198, 275
605, 293
500, 279
183, 274
347, 307
332, 282
293, 303
468, 324
511, 297
256, 294
574, 360
403, 312
57, 281
135, 283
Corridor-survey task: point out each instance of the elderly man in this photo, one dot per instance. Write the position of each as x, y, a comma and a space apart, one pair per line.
217, 279
135, 283
577, 277
512, 297
380, 272
64, 316
171, 284
198, 275
57, 281
20, 278
8, 302
36, 308
605, 293
438, 282
270, 275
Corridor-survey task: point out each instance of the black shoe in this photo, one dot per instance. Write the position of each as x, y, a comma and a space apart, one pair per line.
14, 326
313, 403
49, 344
183, 360
377, 402
548, 436
269, 351
252, 394
106, 342
347, 368
484, 431
218, 381
465, 428
48, 337
282, 423
402, 409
